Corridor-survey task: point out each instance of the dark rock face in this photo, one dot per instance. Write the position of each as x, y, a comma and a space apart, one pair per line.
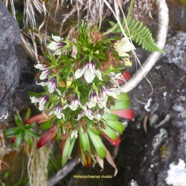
9, 63
157, 137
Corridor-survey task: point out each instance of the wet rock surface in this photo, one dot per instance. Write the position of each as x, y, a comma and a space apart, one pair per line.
9, 62
157, 137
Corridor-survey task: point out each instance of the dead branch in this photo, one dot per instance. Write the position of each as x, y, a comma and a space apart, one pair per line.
63, 172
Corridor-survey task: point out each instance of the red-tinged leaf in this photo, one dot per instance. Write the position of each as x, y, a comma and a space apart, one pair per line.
84, 147
100, 161
63, 146
37, 119
115, 142
49, 135
116, 125
111, 161
126, 75
13, 139
109, 132
127, 113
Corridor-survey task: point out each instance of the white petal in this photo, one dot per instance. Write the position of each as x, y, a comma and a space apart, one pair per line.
102, 104
80, 72
127, 45
74, 134
56, 38
88, 113
53, 46
57, 52
89, 104
51, 88
51, 113
59, 115
44, 75
42, 83
41, 106
34, 99
80, 116
89, 76
74, 105
99, 75
58, 91
111, 93
121, 52
97, 116
40, 67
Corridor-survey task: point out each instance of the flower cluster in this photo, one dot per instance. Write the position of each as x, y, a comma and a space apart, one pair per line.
82, 90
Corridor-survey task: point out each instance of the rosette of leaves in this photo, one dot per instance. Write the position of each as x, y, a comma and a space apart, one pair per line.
21, 133
82, 100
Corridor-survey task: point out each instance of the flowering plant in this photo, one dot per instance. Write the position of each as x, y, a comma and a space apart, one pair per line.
82, 96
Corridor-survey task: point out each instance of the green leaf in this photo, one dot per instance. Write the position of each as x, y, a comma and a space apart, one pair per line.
112, 24
94, 130
12, 132
116, 125
84, 147
32, 133
18, 140
120, 105
28, 127
110, 133
28, 138
123, 97
27, 114
98, 144
109, 116
45, 126
18, 120
67, 150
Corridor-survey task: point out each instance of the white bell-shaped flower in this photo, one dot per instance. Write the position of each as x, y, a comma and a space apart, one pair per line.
89, 72
123, 46
56, 45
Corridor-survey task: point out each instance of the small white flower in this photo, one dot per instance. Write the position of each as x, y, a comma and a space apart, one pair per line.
51, 84
93, 99
34, 100
75, 103
89, 73
74, 134
44, 74
88, 113
42, 101
123, 46
97, 116
113, 92
45, 71
41, 66
56, 45
114, 79
103, 97
58, 111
